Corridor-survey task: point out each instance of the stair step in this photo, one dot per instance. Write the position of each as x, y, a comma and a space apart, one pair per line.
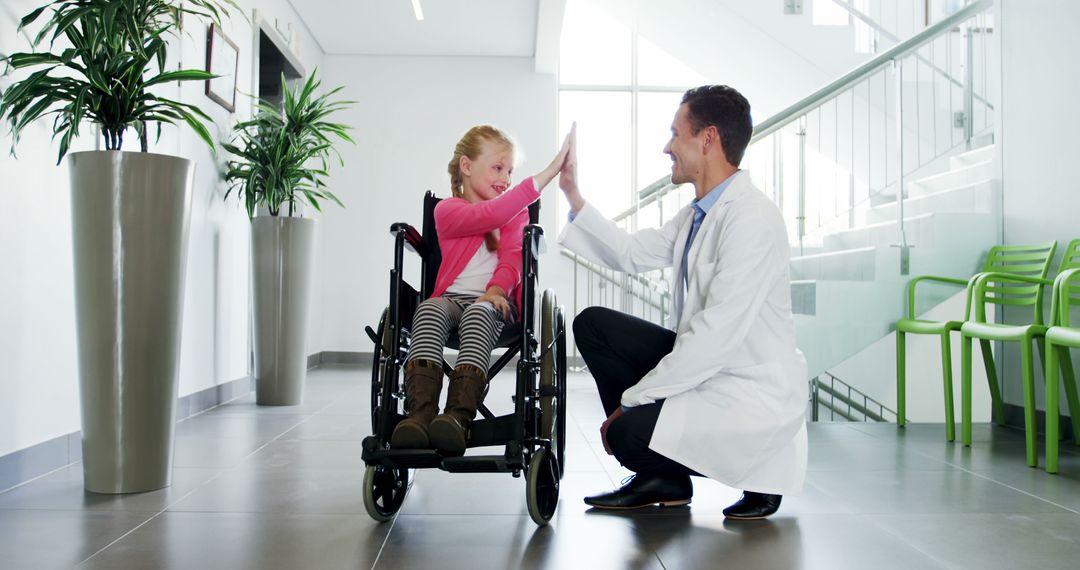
926, 230
851, 264
958, 177
979, 197
981, 154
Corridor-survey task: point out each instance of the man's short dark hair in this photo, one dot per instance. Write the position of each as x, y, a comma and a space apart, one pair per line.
727, 110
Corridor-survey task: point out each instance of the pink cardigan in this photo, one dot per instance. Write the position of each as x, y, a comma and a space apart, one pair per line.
461, 226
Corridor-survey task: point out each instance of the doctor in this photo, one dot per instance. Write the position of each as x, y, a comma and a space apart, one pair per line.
724, 395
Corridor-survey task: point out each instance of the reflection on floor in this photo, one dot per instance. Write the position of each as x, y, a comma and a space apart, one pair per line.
267, 488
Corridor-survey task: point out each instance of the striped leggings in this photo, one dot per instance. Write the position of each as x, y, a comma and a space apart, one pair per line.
478, 326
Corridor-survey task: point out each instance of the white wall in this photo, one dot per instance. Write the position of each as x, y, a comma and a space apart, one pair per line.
38, 376
1038, 135
411, 111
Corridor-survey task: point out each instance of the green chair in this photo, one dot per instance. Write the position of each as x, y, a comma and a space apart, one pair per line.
1006, 259
1059, 339
1013, 289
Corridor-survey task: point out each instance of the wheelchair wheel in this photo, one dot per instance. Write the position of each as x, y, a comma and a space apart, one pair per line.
542, 491
382, 367
384, 491
553, 374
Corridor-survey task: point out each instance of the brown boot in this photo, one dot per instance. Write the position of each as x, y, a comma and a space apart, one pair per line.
449, 431
423, 384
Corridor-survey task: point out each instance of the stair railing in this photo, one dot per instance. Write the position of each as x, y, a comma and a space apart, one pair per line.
841, 399
847, 140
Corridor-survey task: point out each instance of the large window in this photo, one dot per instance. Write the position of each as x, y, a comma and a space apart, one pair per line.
623, 89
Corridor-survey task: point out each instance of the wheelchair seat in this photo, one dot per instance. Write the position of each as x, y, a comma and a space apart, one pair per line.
510, 335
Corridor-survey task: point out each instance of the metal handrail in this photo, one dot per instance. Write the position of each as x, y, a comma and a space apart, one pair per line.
800, 108
774, 123
865, 19
652, 285
851, 397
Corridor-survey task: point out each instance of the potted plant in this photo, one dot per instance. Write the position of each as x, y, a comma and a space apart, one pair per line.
130, 216
281, 159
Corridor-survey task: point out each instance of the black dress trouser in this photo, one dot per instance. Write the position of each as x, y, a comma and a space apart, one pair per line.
619, 350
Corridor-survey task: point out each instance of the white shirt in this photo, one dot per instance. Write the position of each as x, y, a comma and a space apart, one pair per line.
474, 278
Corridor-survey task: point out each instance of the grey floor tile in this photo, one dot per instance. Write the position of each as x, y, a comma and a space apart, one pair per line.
242, 540
63, 490
950, 491
806, 541
60, 539
210, 452
308, 454
862, 455
258, 428
580, 457
979, 541
500, 542
331, 427
299, 491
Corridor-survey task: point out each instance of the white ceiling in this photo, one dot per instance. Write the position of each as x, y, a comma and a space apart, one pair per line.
450, 27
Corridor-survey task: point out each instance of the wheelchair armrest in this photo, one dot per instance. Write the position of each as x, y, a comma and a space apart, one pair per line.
534, 236
412, 238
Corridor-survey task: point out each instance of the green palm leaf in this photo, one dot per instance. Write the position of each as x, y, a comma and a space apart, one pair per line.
279, 157
105, 75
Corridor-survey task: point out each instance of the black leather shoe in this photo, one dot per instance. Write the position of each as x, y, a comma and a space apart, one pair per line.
753, 506
645, 491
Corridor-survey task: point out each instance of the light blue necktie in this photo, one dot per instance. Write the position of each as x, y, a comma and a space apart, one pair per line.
699, 215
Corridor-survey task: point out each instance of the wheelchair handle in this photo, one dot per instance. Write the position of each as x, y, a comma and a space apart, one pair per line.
411, 236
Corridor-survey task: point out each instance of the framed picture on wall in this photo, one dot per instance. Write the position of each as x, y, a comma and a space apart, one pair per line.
222, 59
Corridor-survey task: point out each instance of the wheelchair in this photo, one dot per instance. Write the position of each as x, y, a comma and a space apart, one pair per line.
533, 435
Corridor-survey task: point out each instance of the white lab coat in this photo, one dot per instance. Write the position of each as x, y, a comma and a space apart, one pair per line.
735, 383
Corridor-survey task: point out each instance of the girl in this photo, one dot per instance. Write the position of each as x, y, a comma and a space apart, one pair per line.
476, 290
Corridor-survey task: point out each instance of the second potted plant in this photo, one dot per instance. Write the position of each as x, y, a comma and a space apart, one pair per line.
281, 157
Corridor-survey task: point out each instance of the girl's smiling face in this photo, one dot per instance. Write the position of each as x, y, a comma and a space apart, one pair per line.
488, 175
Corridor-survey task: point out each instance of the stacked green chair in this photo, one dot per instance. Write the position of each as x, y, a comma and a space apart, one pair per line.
1021, 259
1059, 339
1010, 289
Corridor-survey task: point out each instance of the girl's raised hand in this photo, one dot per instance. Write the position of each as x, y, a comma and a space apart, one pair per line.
546, 175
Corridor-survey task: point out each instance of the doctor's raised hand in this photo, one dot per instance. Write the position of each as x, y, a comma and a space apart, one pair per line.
568, 174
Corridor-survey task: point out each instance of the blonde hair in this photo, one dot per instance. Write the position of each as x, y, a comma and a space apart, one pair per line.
471, 145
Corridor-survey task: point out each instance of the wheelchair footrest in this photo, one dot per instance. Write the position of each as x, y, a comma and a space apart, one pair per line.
404, 458
480, 464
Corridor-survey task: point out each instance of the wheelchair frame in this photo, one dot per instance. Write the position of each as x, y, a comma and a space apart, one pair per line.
534, 435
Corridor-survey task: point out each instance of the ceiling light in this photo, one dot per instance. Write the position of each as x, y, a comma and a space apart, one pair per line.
417, 10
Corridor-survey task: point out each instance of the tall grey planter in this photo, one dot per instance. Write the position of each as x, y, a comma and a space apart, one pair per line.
130, 216
282, 251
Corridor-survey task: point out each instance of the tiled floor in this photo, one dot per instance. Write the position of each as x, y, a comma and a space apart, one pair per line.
280, 488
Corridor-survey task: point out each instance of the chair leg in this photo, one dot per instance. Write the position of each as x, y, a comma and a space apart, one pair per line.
1069, 378
1052, 418
946, 376
965, 389
991, 378
901, 371
1041, 344
1028, 369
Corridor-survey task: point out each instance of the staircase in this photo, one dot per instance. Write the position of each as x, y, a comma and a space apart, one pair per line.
950, 218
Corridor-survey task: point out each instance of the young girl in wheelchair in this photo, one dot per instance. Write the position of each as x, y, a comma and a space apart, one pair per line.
476, 290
